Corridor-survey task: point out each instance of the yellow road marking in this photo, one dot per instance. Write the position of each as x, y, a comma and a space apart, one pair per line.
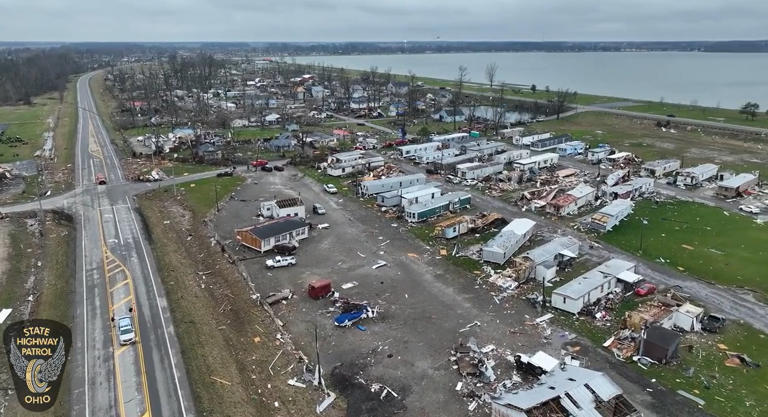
119, 285
107, 257
121, 302
111, 271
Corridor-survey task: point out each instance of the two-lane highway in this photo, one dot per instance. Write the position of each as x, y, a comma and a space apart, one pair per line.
117, 276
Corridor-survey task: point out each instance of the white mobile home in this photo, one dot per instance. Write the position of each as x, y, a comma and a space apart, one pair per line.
443, 154
477, 170
512, 156
526, 140
540, 161
508, 241
609, 216
597, 155
661, 167
511, 133
583, 290
393, 198
450, 162
696, 175
419, 196
372, 187
488, 148
575, 147
345, 163
452, 140
413, 151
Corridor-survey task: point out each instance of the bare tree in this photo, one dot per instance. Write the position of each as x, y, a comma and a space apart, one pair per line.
560, 102
500, 109
462, 77
411, 95
490, 72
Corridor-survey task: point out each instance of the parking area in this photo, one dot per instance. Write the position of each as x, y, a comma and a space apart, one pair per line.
424, 302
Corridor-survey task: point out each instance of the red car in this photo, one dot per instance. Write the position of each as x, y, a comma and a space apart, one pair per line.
645, 289
101, 179
259, 163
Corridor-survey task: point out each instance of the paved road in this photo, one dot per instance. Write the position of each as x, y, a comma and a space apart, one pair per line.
731, 302
116, 276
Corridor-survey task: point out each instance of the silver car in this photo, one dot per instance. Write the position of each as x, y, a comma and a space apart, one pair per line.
125, 332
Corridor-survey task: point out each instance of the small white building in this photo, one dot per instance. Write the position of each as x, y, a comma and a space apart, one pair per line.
540, 161
478, 170
687, 317
383, 185
660, 167
609, 216
413, 151
508, 241
287, 207
512, 156
696, 175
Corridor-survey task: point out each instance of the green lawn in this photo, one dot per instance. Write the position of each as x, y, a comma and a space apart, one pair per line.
256, 133
28, 122
739, 152
201, 194
711, 114
729, 249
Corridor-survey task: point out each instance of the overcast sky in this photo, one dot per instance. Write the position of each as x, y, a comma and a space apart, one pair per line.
359, 20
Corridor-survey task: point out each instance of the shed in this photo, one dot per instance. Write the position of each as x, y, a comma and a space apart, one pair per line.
686, 317
508, 241
660, 344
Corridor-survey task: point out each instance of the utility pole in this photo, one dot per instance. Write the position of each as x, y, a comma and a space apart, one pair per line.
216, 195
40, 218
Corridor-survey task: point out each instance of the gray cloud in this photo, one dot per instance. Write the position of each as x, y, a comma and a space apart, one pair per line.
337, 20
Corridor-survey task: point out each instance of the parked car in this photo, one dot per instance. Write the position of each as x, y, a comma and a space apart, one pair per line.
279, 168
284, 248
318, 209
330, 189
281, 261
749, 209
453, 180
101, 179
125, 332
645, 289
712, 323
266, 168
227, 173
469, 182
259, 163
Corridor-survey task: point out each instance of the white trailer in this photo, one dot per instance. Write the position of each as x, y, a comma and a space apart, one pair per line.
452, 140
696, 175
512, 156
477, 170
537, 161
413, 151
527, 140
511, 133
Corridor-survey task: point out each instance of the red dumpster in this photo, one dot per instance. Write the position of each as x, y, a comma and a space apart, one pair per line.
319, 288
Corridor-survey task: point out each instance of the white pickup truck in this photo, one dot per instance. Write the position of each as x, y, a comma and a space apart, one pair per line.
280, 261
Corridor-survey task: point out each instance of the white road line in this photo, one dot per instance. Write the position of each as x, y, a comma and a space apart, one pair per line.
93, 170
117, 223
162, 319
85, 315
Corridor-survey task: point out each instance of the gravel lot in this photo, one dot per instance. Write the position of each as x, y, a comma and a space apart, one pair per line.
424, 302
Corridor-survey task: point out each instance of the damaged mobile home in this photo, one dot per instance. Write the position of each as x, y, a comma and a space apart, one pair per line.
264, 236
450, 202
609, 216
590, 286
345, 163
508, 241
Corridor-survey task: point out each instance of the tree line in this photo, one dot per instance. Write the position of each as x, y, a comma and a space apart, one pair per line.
26, 73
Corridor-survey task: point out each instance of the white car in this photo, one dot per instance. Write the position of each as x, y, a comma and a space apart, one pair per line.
281, 261
749, 209
330, 189
125, 332
469, 182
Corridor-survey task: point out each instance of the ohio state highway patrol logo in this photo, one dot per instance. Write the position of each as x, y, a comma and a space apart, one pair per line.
37, 353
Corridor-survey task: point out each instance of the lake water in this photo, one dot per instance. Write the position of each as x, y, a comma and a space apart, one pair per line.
708, 79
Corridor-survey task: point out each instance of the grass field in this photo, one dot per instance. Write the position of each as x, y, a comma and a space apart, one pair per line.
711, 114
201, 194
28, 122
65, 137
641, 137
729, 249
256, 133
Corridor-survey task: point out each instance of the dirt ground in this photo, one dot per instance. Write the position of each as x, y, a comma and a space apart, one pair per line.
423, 301
36, 282
227, 340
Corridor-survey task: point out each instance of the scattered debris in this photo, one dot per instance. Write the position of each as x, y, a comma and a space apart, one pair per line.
379, 264
697, 400
349, 285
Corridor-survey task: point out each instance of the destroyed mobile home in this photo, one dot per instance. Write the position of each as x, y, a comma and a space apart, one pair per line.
519, 385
